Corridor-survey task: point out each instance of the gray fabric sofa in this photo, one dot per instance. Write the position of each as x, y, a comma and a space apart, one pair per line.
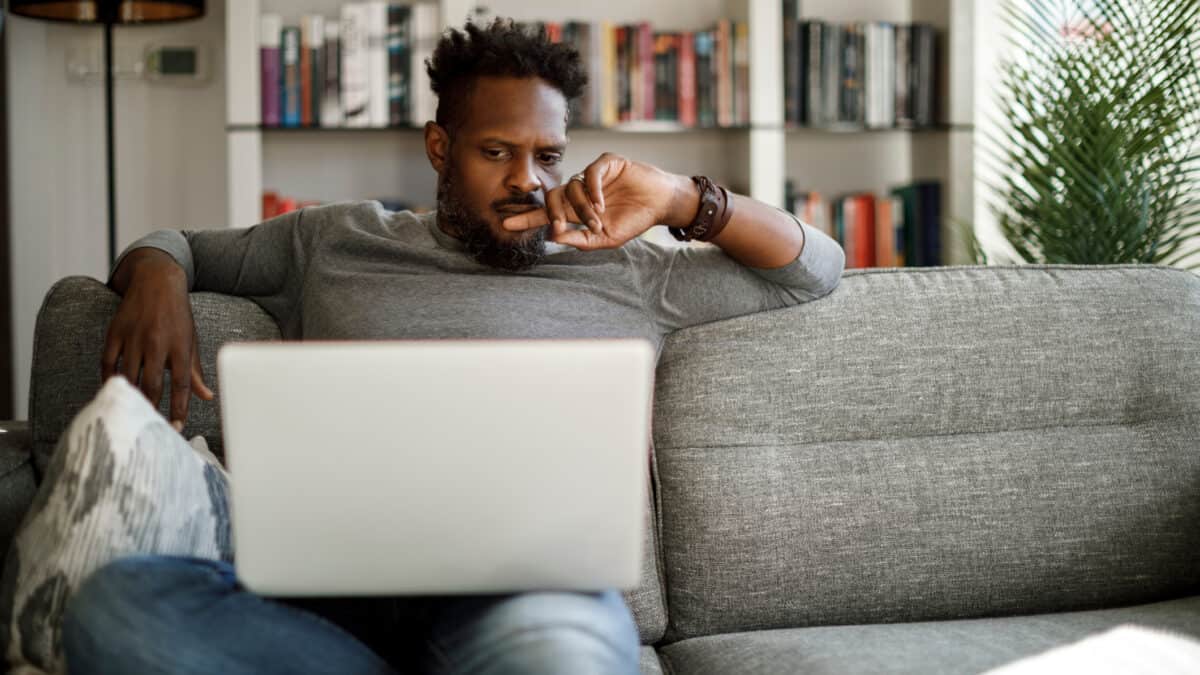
932, 470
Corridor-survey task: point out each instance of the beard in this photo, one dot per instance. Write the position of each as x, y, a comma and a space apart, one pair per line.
457, 217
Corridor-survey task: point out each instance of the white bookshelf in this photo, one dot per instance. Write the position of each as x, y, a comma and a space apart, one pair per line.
330, 164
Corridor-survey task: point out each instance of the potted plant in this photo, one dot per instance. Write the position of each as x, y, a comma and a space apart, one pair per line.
1101, 109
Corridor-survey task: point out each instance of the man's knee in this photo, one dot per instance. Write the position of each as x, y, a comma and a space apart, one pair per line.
552, 633
562, 649
126, 608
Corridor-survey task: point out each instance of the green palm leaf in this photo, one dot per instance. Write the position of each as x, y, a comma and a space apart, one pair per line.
1095, 148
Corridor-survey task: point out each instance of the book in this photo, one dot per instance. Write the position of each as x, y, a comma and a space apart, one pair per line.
741, 73
331, 94
905, 73
885, 233
377, 63
792, 65
666, 91
913, 234
924, 54
611, 95
813, 78
863, 227
687, 79
930, 200
290, 70
399, 69
269, 36
645, 52
706, 71
354, 68
622, 74
312, 38
831, 60
724, 57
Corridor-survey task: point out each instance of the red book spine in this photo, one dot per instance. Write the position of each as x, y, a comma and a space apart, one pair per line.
306, 119
270, 204
687, 79
865, 231
646, 55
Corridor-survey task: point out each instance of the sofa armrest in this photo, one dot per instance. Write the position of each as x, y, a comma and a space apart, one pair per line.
18, 484
14, 437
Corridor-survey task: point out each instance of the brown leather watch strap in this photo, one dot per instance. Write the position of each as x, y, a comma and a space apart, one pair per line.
713, 214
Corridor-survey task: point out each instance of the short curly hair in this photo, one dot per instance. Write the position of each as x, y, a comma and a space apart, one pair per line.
504, 48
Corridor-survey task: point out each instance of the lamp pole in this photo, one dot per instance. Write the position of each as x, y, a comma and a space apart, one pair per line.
109, 10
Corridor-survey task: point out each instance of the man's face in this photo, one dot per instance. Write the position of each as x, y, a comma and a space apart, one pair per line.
501, 160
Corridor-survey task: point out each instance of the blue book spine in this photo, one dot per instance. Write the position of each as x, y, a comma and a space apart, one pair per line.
289, 91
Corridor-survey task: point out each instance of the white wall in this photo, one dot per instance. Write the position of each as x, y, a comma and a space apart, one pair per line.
170, 158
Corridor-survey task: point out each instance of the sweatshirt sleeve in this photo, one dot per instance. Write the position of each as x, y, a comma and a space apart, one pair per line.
686, 286
265, 262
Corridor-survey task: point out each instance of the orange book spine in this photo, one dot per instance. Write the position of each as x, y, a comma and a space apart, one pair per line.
885, 235
306, 92
865, 230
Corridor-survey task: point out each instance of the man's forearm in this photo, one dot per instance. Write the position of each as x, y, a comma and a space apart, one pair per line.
757, 235
141, 260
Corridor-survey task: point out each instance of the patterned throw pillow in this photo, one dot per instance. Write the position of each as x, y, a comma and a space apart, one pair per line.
121, 482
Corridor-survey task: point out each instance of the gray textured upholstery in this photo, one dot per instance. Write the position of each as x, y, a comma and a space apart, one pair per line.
940, 648
933, 444
17, 485
69, 339
930, 443
649, 662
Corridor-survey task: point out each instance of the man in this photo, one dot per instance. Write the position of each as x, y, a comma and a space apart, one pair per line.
511, 252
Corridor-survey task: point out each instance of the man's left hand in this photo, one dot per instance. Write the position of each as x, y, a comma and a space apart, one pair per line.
617, 200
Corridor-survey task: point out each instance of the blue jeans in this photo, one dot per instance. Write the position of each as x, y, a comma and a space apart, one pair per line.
157, 614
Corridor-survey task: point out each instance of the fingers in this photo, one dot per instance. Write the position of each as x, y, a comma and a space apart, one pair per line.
594, 177
581, 202
152, 377
526, 221
181, 389
131, 363
560, 211
108, 360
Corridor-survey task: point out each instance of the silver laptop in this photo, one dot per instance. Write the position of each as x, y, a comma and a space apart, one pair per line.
430, 467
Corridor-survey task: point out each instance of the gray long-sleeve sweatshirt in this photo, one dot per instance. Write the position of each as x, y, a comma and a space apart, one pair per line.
355, 271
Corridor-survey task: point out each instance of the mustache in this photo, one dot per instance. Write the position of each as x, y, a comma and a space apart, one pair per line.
524, 200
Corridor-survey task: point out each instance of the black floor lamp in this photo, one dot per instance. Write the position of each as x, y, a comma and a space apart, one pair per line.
109, 13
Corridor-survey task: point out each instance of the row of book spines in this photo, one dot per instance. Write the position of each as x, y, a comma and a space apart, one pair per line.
877, 74
693, 78
900, 229
362, 69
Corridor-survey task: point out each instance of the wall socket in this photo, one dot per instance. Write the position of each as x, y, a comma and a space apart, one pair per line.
158, 63
85, 63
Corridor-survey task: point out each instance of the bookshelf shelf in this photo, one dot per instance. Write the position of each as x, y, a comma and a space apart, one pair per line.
755, 158
842, 130
652, 128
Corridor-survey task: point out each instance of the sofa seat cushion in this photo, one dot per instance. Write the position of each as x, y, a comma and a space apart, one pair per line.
928, 648
648, 662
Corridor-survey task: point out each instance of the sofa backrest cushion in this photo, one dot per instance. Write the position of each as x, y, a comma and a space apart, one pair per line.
934, 443
69, 339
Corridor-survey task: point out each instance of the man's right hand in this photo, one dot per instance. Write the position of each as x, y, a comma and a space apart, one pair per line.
153, 331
